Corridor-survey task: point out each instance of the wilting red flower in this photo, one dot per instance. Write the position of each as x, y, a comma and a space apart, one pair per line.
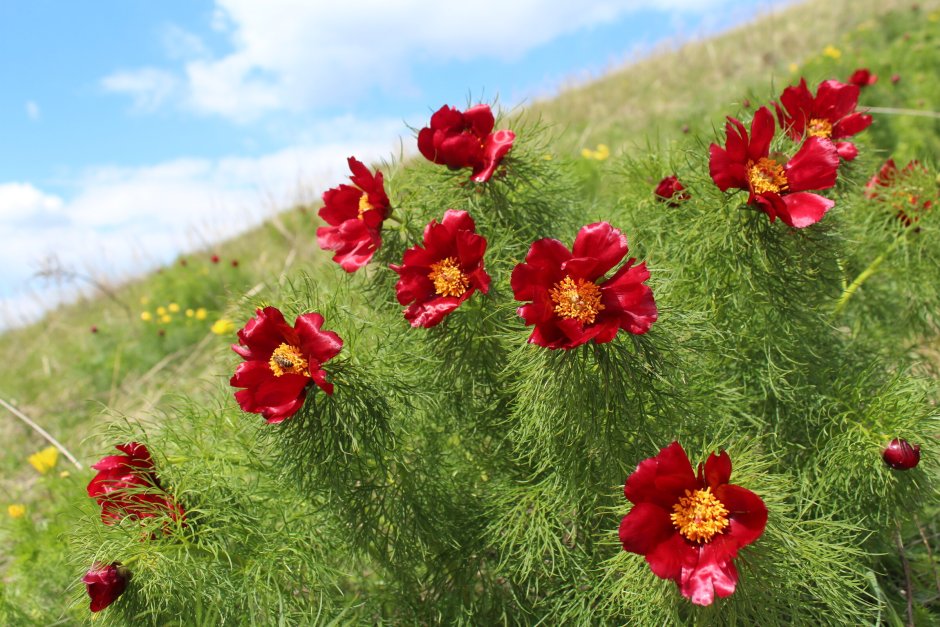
127, 486
901, 454
830, 114
690, 527
891, 186
671, 191
281, 361
354, 214
777, 190
570, 302
863, 78
105, 583
465, 140
437, 277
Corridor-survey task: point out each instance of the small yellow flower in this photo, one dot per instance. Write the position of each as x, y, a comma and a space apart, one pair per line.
934, 17
201, 313
587, 153
146, 316
166, 319
223, 326
602, 152
190, 313
161, 310
794, 68
547, 157
16, 510
44, 460
65, 474
832, 52
144, 300
173, 307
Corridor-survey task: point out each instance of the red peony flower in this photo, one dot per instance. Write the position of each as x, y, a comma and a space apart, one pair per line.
777, 190
830, 114
690, 527
127, 486
354, 214
281, 361
570, 302
863, 78
439, 276
671, 191
891, 186
104, 584
465, 140
901, 454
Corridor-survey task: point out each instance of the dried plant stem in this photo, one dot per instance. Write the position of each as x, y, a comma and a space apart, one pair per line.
908, 588
894, 111
45, 434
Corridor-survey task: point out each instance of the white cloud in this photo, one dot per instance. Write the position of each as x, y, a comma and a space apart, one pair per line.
125, 220
32, 110
295, 55
149, 87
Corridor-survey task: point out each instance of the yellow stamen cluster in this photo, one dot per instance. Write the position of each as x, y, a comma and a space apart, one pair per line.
699, 516
286, 359
818, 127
579, 299
364, 204
448, 279
766, 176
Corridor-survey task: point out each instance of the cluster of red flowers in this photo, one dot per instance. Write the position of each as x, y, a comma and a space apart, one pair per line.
780, 186
126, 487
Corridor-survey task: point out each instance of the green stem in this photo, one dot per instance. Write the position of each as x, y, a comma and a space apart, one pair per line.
861, 278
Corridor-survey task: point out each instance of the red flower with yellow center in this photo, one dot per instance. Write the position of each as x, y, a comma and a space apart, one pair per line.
892, 186
777, 188
281, 361
671, 191
690, 526
570, 302
465, 140
830, 114
436, 277
127, 486
354, 214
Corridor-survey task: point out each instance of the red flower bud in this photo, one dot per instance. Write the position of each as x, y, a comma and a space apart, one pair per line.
104, 584
215, 259
901, 454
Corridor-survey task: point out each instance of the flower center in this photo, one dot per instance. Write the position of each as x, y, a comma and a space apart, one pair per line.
448, 279
286, 359
766, 176
364, 204
818, 127
699, 515
579, 299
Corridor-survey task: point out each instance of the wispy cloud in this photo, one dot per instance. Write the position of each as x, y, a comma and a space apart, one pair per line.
149, 87
288, 55
32, 110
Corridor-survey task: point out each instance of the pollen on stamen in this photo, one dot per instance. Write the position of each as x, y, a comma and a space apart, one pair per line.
448, 279
287, 359
578, 299
364, 204
699, 515
818, 127
767, 176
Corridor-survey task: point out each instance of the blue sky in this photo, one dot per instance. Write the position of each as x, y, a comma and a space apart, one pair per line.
135, 130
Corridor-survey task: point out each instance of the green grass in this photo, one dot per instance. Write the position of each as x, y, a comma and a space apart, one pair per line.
72, 381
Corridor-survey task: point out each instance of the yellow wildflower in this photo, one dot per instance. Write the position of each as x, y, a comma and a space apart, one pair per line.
173, 307
190, 313
65, 474
201, 313
146, 316
934, 17
794, 68
44, 460
223, 326
16, 510
547, 157
587, 153
602, 152
832, 52
161, 310
166, 319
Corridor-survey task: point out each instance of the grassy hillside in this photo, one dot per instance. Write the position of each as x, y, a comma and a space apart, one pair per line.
133, 352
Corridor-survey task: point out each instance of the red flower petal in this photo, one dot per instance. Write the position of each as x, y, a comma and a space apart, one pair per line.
815, 166
804, 209
714, 573
600, 243
645, 527
835, 100
479, 119
847, 150
747, 514
104, 584
762, 132
717, 470
726, 171
317, 346
661, 479
850, 125
495, 148
672, 557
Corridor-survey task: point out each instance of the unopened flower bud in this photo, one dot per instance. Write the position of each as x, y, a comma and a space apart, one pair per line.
105, 583
901, 454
